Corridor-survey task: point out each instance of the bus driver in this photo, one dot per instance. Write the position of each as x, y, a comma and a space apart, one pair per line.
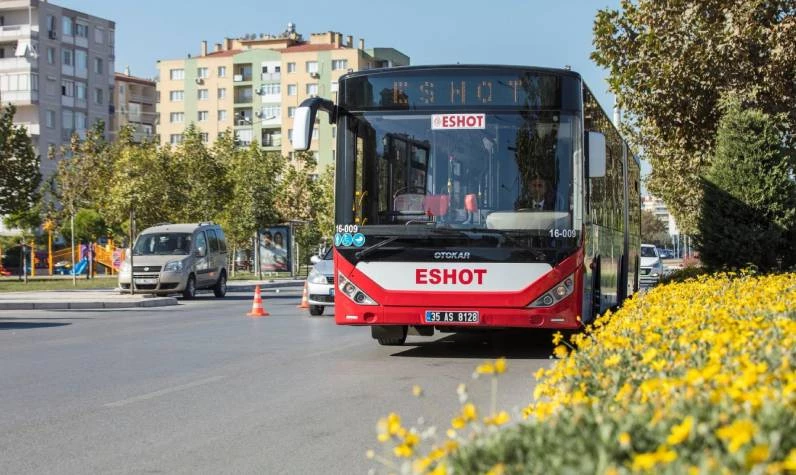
538, 195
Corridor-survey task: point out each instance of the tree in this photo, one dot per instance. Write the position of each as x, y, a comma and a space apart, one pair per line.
253, 177
297, 193
670, 63
653, 230
750, 195
19, 166
199, 179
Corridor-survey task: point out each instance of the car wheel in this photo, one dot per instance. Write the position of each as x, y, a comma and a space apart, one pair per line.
389, 335
316, 310
220, 289
190, 288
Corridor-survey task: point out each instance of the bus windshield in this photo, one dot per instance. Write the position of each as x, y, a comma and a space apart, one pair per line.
505, 171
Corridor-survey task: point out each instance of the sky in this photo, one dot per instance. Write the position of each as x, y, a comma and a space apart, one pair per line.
518, 32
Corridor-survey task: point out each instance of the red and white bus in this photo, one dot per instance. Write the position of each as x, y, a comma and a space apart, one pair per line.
479, 197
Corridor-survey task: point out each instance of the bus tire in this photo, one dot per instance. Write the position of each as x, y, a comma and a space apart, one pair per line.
389, 335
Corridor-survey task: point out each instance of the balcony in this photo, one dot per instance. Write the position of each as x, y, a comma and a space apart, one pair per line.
142, 99
15, 32
20, 98
275, 77
33, 128
16, 64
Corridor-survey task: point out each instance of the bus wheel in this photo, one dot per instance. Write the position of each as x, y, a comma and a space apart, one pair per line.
389, 335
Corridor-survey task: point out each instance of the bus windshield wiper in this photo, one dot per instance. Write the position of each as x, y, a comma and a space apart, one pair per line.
359, 255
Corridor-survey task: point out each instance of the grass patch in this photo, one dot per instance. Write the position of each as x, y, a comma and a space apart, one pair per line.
36, 284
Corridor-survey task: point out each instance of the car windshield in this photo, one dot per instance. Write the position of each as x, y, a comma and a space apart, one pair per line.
648, 251
163, 243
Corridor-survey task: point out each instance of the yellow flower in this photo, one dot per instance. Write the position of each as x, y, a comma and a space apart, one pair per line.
440, 469
645, 461
680, 432
500, 365
469, 412
498, 420
402, 451
737, 434
624, 440
790, 461
457, 422
421, 465
485, 368
658, 365
649, 355
539, 374
758, 454
560, 352
557, 337
417, 391
497, 469
612, 360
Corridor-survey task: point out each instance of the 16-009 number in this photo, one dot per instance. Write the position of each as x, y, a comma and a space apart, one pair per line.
562, 233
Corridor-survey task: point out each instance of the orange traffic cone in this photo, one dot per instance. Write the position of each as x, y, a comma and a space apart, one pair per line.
305, 301
257, 305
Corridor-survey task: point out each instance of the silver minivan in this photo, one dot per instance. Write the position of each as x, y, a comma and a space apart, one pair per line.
177, 258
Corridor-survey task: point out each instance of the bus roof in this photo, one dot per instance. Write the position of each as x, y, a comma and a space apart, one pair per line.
505, 67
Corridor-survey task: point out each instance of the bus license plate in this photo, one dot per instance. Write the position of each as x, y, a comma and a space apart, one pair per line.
456, 316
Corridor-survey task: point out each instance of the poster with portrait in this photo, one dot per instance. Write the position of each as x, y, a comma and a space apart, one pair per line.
275, 249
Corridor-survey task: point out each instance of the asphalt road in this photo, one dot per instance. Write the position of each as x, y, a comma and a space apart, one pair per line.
202, 388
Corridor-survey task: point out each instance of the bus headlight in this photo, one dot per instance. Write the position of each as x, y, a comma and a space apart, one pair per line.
560, 291
352, 291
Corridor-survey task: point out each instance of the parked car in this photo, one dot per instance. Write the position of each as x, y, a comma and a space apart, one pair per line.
177, 258
651, 266
320, 283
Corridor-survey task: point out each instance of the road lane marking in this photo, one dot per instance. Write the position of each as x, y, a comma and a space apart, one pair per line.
162, 392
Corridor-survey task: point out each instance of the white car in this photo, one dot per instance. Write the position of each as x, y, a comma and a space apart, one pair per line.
320, 283
651, 266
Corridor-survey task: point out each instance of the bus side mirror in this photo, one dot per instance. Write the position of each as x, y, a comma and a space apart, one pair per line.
303, 123
596, 157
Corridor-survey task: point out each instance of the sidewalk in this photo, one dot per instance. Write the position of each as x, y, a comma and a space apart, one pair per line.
112, 298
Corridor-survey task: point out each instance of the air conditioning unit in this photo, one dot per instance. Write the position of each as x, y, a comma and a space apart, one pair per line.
199, 81
260, 91
315, 75
237, 77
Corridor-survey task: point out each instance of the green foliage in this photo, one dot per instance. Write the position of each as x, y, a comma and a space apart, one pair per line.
653, 230
89, 226
749, 215
19, 165
671, 62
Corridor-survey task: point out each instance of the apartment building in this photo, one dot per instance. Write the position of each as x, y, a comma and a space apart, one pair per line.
253, 85
56, 67
134, 105
658, 207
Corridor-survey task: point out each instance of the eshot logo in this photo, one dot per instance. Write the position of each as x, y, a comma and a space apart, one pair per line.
457, 121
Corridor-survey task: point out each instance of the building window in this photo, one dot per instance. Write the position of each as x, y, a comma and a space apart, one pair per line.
292, 89
222, 71
202, 116
67, 88
67, 57
177, 117
334, 132
312, 66
202, 73
270, 112
338, 64
81, 30
50, 55
81, 60
315, 133
202, 94
312, 89
98, 66
49, 119
98, 96
222, 93
176, 96
222, 115
271, 88
176, 74
99, 35
67, 121
81, 122
291, 67
175, 139
80, 91
291, 112
290, 135
205, 137
66, 26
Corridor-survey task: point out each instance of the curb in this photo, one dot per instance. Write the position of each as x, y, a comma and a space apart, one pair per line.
88, 305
